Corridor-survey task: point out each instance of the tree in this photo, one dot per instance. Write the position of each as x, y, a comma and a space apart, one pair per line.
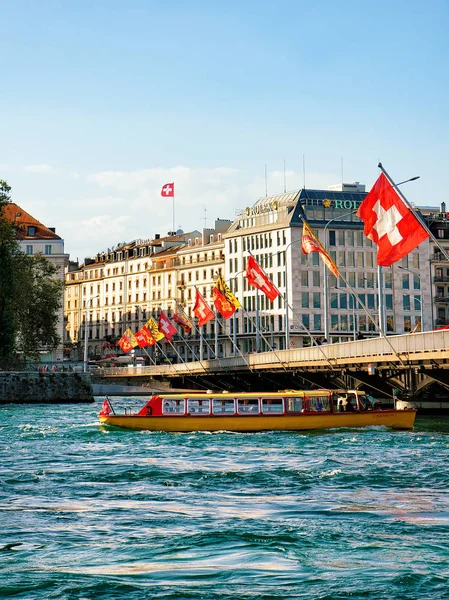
30, 295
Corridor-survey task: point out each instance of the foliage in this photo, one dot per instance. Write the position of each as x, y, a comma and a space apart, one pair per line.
30, 295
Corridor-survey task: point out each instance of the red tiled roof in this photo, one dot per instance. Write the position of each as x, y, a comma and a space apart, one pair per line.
15, 213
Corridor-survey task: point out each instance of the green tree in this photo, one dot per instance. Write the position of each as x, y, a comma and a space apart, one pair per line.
30, 295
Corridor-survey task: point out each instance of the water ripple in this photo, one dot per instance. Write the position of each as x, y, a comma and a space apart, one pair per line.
88, 512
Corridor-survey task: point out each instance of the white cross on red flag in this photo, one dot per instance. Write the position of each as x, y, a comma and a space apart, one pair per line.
389, 223
258, 278
166, 326
168, 190
201, 310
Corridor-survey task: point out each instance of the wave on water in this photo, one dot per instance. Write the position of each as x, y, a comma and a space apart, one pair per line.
92, 513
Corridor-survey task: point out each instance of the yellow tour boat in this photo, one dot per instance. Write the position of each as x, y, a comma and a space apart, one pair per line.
249, 412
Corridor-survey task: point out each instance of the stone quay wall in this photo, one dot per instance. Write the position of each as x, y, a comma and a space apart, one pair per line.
49, 388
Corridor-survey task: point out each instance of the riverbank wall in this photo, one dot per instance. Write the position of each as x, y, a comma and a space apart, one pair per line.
45, 388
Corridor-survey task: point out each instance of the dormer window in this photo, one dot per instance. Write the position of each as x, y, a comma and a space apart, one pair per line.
31, 230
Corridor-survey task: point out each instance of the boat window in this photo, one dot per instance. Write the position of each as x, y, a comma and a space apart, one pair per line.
273, 405
223, 406
365, 402
319, 403
248, 405
200, 407
172, 406
294, 404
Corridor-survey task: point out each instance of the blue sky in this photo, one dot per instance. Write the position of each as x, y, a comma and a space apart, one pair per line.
103, 102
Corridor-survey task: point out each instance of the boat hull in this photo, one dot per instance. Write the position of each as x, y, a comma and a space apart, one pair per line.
396, 419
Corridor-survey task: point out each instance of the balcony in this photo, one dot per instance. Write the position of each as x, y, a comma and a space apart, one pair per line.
441, 299
438, 257
440, 279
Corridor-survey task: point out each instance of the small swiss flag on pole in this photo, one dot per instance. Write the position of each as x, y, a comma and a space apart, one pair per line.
168, 190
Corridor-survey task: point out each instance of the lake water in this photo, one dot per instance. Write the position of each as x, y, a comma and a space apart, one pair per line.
94, 513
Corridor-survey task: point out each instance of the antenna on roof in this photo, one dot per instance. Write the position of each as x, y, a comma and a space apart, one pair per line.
342, 171
304, 169
285, 179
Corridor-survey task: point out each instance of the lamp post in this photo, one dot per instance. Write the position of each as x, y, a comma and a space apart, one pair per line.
86, 332
326, 285
420, 290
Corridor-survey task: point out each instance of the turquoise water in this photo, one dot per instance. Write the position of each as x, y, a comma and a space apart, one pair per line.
88, 512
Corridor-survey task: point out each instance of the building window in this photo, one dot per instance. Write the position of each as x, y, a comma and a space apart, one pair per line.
29, 249
31, 231
417, 302
405, 282
331, 238
304, 278
316, 279
316, 300
47, 248
305, 300
389, 301
406, 302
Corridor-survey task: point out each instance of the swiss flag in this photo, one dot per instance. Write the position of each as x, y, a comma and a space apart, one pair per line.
166, 326
258, 278
201, 310
390, 223
168, 190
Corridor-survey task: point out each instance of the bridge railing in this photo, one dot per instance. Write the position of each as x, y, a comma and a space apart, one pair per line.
403, 346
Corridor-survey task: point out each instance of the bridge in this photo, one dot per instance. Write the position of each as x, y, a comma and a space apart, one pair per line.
407, 363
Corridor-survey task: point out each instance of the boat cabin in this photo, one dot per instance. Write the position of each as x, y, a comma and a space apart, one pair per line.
279, 403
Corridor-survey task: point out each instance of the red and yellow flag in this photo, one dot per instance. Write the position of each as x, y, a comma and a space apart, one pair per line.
180, 317
144, 338
310, 243
128, 341
224, 300
153, 328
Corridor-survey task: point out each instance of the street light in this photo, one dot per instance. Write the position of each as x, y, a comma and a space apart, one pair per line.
86, 332
326, 285
420, 298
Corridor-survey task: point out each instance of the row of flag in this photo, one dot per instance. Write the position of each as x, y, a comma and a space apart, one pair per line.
388, 222
224, 301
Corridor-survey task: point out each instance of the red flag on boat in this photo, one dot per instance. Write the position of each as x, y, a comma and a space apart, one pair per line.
106, 409
389, 223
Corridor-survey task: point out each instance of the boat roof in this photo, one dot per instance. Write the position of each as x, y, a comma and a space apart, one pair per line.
279, 394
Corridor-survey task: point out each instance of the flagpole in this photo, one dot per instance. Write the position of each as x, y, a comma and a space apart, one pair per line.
191, 350
174, 230
413, 210
216, 335
257, 322
152, 361
380, 284
179, 356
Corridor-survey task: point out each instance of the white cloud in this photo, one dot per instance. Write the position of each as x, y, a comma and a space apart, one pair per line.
135, 209
38, 168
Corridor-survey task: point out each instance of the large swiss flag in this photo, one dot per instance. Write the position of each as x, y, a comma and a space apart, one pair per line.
390, 223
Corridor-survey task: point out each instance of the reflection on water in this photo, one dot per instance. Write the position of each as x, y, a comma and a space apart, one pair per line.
91, 512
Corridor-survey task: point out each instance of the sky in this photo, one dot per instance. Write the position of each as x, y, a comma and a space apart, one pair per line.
103, 102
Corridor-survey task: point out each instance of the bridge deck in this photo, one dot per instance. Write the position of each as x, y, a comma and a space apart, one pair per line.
401, 350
